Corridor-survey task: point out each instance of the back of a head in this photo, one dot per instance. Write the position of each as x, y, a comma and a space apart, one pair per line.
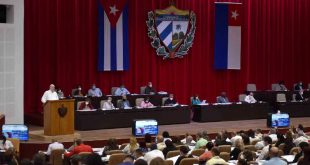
199, 135
140, 162
274, 152
215, 151
153, 147
148, 138
302, 145
75, 160
248, 155
129, 159
268, 140
189, 139
159, 138
93, 159
157, 161
209, 146
26, 162
78, 142
169, 143
166, 134
39, 159
184, 149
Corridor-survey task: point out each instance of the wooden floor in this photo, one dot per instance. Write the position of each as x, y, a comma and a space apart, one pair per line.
177, 129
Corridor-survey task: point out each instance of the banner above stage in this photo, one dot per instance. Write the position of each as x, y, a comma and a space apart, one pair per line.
172, 31
227, 46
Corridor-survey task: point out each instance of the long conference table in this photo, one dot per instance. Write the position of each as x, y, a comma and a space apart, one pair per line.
230, 112
295, 109
121, 118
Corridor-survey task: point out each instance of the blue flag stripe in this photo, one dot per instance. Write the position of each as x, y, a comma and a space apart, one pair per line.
221, 36
125, 39
113, 49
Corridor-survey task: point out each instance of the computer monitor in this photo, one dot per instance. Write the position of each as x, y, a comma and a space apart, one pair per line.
18, 131
142, 127
278, 120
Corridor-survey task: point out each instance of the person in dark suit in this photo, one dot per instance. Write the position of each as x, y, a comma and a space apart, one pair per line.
302, 145
149, 89
170, 101
300, 96
298, 86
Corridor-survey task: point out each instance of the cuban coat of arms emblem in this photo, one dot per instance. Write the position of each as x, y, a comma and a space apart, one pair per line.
172, 31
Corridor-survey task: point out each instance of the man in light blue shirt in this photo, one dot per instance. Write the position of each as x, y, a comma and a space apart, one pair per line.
94, 91
274, 157
121, 91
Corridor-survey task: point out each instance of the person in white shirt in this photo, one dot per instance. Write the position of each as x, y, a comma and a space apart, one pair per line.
5, 144
154, 153
273, 134
108, 105
160, 142
249, 98
265, 151
234, 137
55, 145
50, 94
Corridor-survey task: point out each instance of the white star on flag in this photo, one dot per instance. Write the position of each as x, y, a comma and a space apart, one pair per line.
234, 14
113, 10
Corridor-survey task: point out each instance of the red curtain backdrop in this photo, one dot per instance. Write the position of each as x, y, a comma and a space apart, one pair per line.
61, 48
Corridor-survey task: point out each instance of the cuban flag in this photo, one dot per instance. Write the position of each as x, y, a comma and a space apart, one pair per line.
113, 49
227, 49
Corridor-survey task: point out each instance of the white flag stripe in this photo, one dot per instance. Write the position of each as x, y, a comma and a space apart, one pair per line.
107, 44
162, 26
119, 43
168, 39
234, 47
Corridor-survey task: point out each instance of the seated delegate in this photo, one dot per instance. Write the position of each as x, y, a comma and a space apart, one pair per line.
124, 103
108, 105
149, 89
86, 105
94, 91
222, 98
249, 98
195, 100
146, 103
121, 91
170, 101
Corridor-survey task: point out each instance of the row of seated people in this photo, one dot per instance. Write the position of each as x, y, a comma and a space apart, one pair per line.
125, 104
243, 147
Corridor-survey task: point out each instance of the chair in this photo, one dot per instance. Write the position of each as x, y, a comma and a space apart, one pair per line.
73, 91
16, 144
79, 104
102, 102
242, 97
294, 97
138, 101
123, 146
281, 146
294, 150
56, 156
217, 99
113, 89
142, 90
225, 148
309, 86
198, 152
111, 152
250, 147
294, 86
189, 161
118, 103
168, 162
116, 159
274, 87
225, 156
191, 100
172, 154
163, 100
281, 97
251, 87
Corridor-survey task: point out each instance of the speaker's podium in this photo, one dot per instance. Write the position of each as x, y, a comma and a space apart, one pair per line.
59, 117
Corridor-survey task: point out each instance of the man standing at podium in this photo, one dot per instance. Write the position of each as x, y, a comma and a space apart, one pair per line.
50, 94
